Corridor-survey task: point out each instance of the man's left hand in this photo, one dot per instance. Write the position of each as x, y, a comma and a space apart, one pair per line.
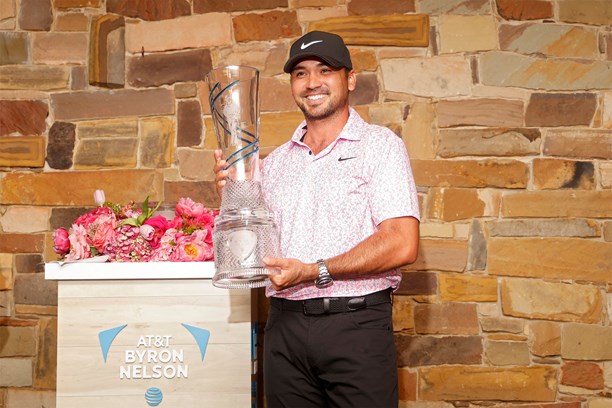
289, 272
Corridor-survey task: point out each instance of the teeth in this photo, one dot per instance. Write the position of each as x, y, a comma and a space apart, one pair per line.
315, 97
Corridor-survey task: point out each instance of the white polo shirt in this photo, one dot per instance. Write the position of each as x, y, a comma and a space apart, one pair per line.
326, 204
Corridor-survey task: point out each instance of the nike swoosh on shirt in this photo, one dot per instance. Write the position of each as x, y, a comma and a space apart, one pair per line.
304, 46
346, 158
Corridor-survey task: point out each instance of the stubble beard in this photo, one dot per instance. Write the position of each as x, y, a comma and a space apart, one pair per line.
333, 108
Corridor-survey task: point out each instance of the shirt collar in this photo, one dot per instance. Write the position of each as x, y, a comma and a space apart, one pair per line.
349, 131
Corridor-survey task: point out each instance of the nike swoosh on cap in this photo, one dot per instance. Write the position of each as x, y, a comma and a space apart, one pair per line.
304, 46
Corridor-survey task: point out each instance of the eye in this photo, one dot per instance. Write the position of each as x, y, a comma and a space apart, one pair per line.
298, 74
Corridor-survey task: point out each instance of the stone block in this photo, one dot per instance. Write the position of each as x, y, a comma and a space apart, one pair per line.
59, 48
18, 341
34, 77
19, 398
480, 112
607, 235
554, 204
418, 283
525, 9
33, 289
446, 318
182, 32
63, 217
277, 128
545, 338
189, 124
102, 129
106, 153
420, 133
157, 143
185, 90
120, 103
72, 22
507, 353
413, 351
15, 372
367, 91
594, 12
551, 40
21, 243
501, 324
466, 33
556, 174
607, 365
269, 58
506, 69
579, 143
369, 8
442, 255
8, 13
150, 10
196, 164
459, 7
25, 220
14, 48
600, 403
430, 77
607, 101
553, 258
35, 15
586, 342
560, 109
404, 30
78, 78
487, 383
6, 274
403, 319
6, 303
29, 263
470, 173
267, 26
46, 355
22, 151
464, 288
68, 4
201, 191
25, 117
452, 204
77, 188
489, 142
275, 95
223, 6
605, 174
60, 148
166, 69
477, 242
582, 374
407, 384
575, 227
106, 63
308, 15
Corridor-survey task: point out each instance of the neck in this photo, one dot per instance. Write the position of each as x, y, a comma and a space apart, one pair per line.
322, 132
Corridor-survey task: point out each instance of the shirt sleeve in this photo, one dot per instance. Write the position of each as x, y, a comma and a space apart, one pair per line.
392, 191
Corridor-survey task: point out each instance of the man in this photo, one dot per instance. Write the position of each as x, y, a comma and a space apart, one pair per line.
343, 197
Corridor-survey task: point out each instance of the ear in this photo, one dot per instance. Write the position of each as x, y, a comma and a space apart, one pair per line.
352, 80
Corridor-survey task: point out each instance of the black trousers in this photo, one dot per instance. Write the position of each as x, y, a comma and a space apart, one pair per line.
330, 360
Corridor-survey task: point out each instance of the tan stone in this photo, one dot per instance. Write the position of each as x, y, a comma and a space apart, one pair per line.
607, 235
403, 319
440, 254
98, 154
18, 341
307, 15
552, 204
489, 142
562, 227
607, 366
267, 26
156, 143
363, 59
545, 338
59, 48
509, 69
552, 258
76, 3
596, 12
72, 22
12, 220
420, 132
275, 95
446, 318
268, 58
404, 30
107, 129
551, 301
17, 398
21, 243
106, 63
607, 106
6, 303
463, 288
34, 77
368, 8
503, 353
180, 33
46, 355
15, 372
470, 173
605, 174
579, 143
555, 174
7, 14
599, 403
467, 33
435, 230
77, 187
294, 4
432, 77
407, 384
42, 310
196, 164
460, 7
6, 273
22, 151
502, 324
488, 383
452, 204
586, 342
480, 112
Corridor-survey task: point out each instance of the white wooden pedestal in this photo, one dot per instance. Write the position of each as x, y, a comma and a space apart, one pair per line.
166, 309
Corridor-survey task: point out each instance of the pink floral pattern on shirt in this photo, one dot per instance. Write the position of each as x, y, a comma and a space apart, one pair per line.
324, 205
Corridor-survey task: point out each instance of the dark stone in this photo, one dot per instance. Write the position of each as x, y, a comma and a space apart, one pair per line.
61, 145
189, 123
418, 283
224, 6
35, 15
63, 217
151, 10
165, 69
560, 109
366, 90
370, 8
524, 9
415, 351
201, 191
13, 48
29, 263
24, 117
34, 289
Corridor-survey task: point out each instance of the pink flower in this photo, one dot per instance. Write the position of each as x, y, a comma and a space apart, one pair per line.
61, 243
101, 230
79, 248
192, 248
86, 219
166, 246
99, 197
159, 224
186, 207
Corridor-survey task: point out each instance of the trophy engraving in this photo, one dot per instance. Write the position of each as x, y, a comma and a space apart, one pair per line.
244, 231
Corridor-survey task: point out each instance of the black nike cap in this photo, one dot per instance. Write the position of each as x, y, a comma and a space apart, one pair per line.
326, 46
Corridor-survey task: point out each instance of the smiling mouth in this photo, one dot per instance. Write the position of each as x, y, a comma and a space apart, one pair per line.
316, 97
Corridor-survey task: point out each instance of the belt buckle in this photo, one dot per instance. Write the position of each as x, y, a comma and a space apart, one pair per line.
356, 303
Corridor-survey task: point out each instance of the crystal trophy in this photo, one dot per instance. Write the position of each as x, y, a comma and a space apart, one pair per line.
244, 231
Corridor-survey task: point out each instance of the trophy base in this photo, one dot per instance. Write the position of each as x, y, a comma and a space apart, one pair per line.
244, 278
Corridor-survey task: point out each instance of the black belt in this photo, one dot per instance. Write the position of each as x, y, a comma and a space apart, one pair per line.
328, 305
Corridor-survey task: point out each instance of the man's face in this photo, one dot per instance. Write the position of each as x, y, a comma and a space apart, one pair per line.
319, 90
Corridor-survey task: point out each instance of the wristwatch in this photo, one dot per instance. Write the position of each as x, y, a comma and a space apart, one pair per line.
324, 280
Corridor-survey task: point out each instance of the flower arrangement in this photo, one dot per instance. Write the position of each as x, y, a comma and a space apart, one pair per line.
127, 234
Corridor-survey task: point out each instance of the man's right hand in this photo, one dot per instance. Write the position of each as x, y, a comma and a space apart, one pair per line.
220, 172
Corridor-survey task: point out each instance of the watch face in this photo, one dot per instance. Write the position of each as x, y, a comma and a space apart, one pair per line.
324, 281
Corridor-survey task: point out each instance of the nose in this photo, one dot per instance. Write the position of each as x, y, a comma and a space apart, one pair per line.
314, 81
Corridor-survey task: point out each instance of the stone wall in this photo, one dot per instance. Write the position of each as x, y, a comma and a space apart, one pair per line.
505, 107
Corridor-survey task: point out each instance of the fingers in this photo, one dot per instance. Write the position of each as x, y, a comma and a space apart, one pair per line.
220, 172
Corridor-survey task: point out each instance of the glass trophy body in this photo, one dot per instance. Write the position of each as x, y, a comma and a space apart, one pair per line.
244, 231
